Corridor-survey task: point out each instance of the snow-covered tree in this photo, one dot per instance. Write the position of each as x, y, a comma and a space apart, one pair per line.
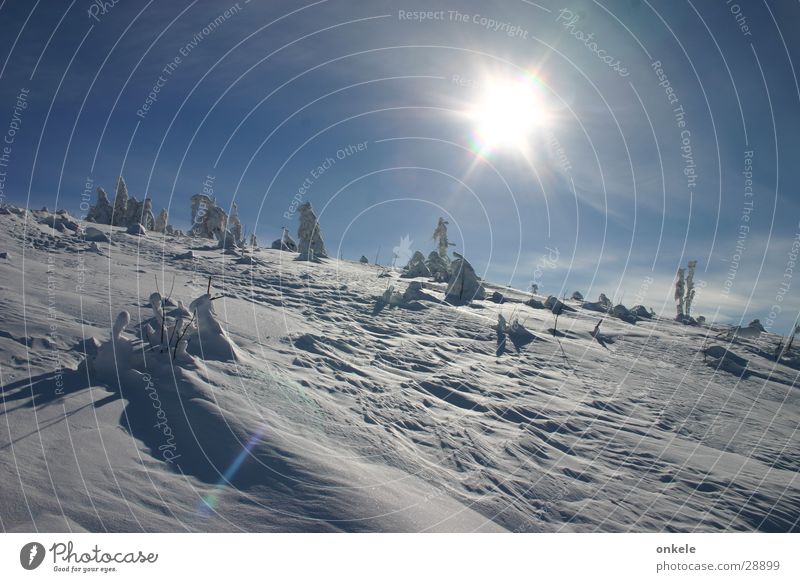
135, 212
440, 236
235, 225
685, 292
148, 219
208, 219
120, 216
680, 290
689, 287
311, 245
102, 211
162, 220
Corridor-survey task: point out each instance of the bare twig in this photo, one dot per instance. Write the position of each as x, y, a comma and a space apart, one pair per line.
183, 333
171, 288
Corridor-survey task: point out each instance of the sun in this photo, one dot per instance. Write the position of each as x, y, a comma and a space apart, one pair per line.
507, 114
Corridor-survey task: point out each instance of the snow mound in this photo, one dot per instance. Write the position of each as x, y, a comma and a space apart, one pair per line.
93, 234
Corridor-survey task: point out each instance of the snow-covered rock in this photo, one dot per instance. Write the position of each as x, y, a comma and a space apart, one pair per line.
136, 230
464, 285
226, 240
621, 312
61, 221
285, 243
416, 267
498, 297
557, 306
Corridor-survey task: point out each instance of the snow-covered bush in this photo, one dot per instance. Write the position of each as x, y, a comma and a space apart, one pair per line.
210, 340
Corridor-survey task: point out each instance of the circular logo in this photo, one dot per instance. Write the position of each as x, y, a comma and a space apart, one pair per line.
31, 555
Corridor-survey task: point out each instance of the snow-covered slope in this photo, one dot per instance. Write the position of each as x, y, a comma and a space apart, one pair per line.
338, 412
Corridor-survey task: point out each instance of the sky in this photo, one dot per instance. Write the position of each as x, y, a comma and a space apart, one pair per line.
652, 132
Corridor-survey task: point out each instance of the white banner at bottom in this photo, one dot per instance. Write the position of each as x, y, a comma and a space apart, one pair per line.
406, 557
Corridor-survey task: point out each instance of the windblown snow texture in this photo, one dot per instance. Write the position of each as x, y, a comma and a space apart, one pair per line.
304, 403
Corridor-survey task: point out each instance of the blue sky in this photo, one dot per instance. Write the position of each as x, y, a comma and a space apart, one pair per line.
262, 95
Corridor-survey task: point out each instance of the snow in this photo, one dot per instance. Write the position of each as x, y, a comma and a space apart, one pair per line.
296, 405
